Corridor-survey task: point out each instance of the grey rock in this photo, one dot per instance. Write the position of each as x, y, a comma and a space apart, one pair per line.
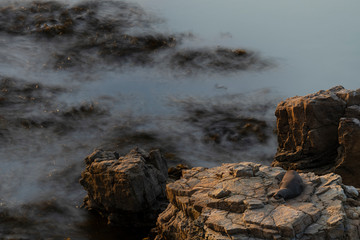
350, 191
319, 212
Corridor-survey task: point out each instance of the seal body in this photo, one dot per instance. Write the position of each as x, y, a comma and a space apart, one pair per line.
290, 186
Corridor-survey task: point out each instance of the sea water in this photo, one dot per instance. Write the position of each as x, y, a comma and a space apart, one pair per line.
61, 99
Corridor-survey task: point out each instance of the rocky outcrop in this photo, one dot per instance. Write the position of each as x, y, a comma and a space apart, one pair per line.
232, 202
318, 132
348, 162
127, 190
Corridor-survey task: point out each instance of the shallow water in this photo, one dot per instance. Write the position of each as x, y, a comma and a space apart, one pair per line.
152, 75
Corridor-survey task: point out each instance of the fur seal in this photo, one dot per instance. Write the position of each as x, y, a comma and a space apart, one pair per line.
290, 186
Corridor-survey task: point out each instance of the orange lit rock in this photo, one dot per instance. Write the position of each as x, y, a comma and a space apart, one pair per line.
326, 209
320, 132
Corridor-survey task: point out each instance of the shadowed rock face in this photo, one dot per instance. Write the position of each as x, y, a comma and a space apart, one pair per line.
232, 202
127, 190
348, 164
307, 130
318, 132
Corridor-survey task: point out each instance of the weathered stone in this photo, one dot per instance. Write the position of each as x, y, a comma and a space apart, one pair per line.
253, 203
307, 130
126, 190
351, 191
219, 193
242, 171
247, 213
308, 208
176, 172
320, 132
349, 96
315, 230
348, 163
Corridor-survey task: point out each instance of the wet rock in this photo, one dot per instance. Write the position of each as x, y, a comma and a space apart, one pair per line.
319, 132
321, 211
225, 125
84, 110
128, 190
116, 32
219, 59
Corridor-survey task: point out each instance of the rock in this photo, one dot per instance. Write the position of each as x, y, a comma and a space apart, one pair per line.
219, 193
351, 191
348, 164
320, 132
176, 172
127, 190
307, 131
246, 212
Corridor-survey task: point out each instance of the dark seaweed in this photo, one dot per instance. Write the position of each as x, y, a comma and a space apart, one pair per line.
83, 35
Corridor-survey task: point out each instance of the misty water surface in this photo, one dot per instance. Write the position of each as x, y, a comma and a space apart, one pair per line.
199, 80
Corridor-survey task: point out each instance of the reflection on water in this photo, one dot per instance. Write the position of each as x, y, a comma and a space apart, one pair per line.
78, 75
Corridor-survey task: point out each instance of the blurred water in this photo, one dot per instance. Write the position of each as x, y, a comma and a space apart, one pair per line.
314, 43
62, 95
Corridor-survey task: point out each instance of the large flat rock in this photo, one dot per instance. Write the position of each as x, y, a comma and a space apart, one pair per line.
233, 201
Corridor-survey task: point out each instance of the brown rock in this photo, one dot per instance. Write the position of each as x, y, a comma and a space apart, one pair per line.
348, 164
320, 132
129, 190
307, 130
246, 212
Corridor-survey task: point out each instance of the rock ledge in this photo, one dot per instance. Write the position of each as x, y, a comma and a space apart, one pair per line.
231, 202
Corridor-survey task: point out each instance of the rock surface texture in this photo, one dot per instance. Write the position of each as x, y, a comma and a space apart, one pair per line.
127, 190
232, 202
319, 132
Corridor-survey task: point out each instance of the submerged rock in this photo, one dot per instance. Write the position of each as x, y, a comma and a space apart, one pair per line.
218, 204
115, 32
127, 190
319, 132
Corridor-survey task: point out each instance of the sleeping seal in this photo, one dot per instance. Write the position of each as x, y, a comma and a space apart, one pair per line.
291, 186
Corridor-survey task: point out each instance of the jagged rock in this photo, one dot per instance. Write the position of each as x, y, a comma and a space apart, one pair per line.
127, 190
176, 172
320, 132
307, 130
322, 211
348, 164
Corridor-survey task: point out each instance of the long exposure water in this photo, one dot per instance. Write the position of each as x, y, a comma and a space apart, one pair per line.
198, 79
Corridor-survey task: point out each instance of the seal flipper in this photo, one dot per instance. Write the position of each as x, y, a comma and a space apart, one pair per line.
282, 193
